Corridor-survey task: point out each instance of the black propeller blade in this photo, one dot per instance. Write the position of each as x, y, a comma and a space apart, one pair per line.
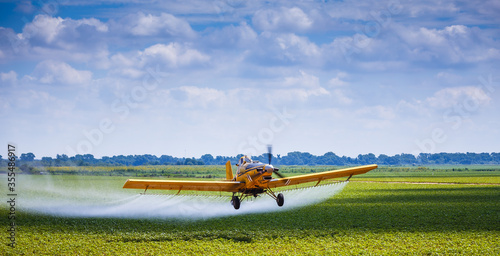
277, 173
269, 153
270, 156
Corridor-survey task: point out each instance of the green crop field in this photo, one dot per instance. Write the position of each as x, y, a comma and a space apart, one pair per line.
366, 218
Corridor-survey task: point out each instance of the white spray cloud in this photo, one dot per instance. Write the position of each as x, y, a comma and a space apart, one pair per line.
90, 202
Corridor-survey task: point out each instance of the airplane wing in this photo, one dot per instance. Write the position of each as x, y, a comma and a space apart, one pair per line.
321, 176
228, 186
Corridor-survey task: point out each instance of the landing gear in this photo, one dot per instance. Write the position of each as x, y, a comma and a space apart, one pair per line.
280, 199
235, 201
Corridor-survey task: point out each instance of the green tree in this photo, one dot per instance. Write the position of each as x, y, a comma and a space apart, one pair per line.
367, 159
47, 161
28, 157
207, 159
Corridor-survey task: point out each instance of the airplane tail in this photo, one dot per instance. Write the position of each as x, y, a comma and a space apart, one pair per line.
229, 171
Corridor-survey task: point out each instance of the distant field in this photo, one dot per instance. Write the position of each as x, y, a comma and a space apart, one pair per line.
218, 171
365, 218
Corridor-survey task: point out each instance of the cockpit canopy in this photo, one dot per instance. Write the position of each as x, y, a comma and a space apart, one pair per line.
244, 160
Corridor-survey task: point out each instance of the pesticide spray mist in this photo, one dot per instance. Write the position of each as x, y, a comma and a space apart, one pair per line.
44, 196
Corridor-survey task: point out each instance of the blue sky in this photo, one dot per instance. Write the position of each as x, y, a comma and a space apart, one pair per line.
185, 78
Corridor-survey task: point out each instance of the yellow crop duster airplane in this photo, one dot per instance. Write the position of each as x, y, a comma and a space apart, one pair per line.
252, 178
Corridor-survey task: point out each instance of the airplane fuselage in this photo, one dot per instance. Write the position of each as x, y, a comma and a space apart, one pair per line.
256, 177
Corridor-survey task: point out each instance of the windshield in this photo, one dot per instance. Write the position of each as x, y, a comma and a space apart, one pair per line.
244, 160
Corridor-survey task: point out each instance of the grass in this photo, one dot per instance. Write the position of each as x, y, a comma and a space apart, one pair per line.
365, 218
477, 177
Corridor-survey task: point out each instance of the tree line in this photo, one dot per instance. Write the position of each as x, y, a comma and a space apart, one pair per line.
292, 158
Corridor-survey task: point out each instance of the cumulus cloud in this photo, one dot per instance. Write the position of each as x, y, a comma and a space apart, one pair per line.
141, 24
62, 32
192, 96
282, 19
56, 72
167, 56
242, 36
379, 112
302, 80
339, 88
456, 98
46, 37
25, 7
293, 45
9, 77
449, 77
173, 55
422, 8
398, 47
341, 97
449, 97
286, 49
300, 87
452, 44
337, 81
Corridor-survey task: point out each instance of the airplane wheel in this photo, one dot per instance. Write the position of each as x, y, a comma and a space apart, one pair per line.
235, 202
280, 200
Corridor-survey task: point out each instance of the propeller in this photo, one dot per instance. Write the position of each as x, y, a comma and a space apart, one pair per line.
270, 157
278, 174
269, 153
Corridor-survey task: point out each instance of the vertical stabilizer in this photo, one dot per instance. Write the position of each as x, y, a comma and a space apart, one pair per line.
229, 171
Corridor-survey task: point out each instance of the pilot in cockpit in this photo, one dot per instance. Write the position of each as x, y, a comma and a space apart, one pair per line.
244, 160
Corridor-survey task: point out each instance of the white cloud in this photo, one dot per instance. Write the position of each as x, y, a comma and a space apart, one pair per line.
337, 81
282, 19
359, 10
44, 27
63, 39
398, 47
192, 96
242, 36
292, 44
442, 8
461, 99
56, 72
287, 49
341, 97
62, 32
120, 60
165, 56
452, 44
449, 77
129, 72
379, 112
303, 80
340, 88
25, 7
9, 77
449, 97
141, 24
173, 54
300, 87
